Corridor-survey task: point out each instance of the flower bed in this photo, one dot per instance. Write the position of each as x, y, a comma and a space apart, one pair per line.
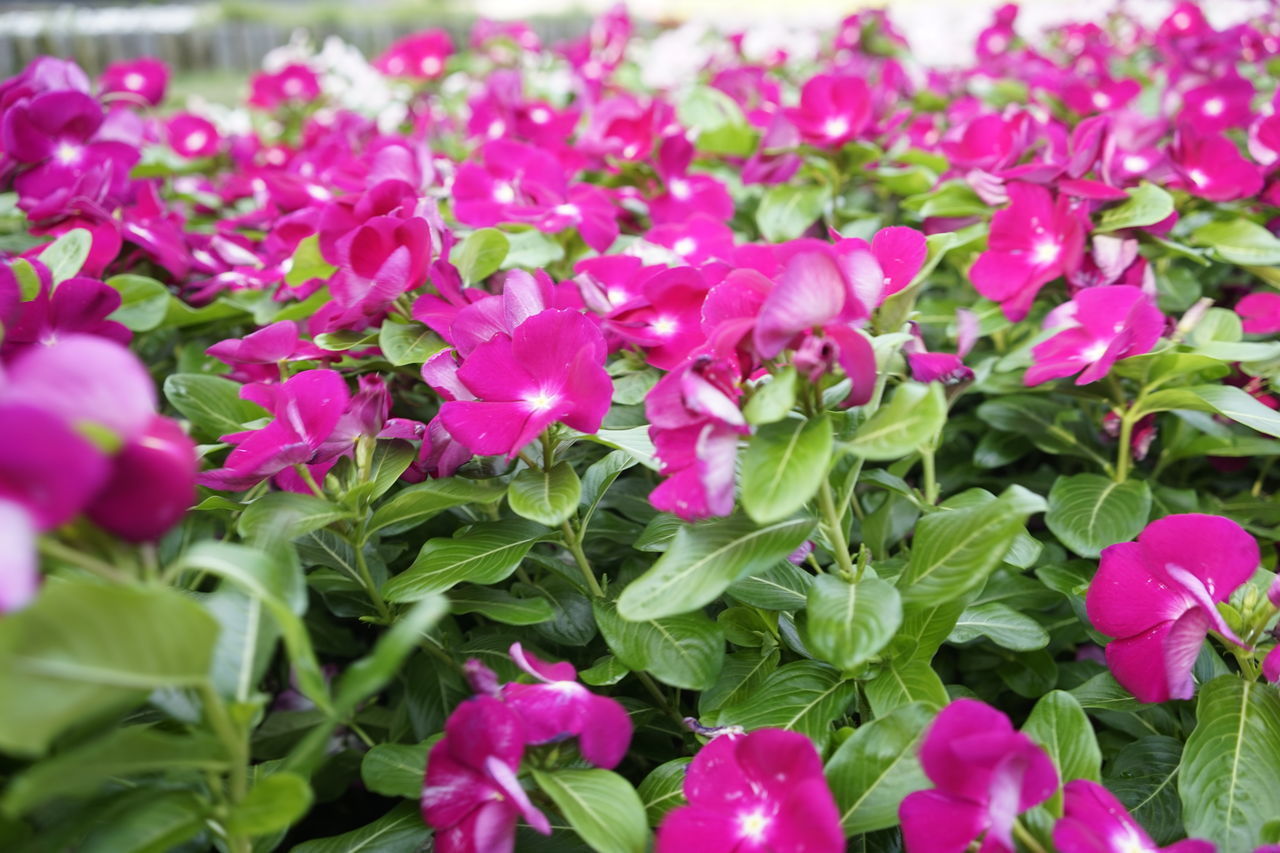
627, 442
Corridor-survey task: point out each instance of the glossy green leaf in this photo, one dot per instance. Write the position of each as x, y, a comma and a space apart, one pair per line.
408, 343
1234, 403
804, 696
851, 622
307, 263
1059, 725
395, 769
601, 806
877, 767
548, 497
482, 554
1088, 512
772, 400
787, 210
1144, 776
143, 302
1147, 205
901, 684
66, 255
783, 466
400, 830
273, 804
480, 254
684, 651
662, 790
412, 506
290, 513
911, 419
1000, 624
211, 403
1240, 241
500, 605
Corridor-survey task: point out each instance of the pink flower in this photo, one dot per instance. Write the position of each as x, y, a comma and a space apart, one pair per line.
833, 110
420, 55
1033, 241
1094, 821
471, 795
306, 408
1105, 324
754, 793
293, 84
558, 707
1260, 312
54, 124
1212, 167
666, 320
1219, 104
384, 258
1271, 665
551, 368
192, 136
144, 80
152, 484
77, 305
1158, 596
985, 775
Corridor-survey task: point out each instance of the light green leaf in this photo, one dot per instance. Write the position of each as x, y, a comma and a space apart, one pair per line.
288, 513
773, 399
663, 789
66, 255
412, 506
911, 419
307, 263
408, 343
395, 769
1088, 512
784, 464
273, 804
601, 806
1002, 625
548, 497
877, 767
500, 605
1230, 777
804, 696
480, 254
704, 559
1240, 241
901, 684
851, 622
143, 302
786, 211
1234, 403
1147, 204
1062, 728
211, 403
482, 554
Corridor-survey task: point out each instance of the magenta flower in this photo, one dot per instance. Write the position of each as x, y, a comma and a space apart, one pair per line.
551, 368
471, 795
1033, 241
754, 793
293, 84
1104, 325
152, 484
1212, 167
1220, 104
666, 320
1094, 821
384, 258
306, 408
192, 136
1158, 597
143, 80
76, 306
985, 774
1260, 313
51, 125
833, 110
558, 707
420, 55
1271, 665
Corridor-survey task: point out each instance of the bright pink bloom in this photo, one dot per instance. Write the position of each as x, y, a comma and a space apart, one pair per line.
1271, 665
385, 257
686, 194
1104, 325
1212, 167
1218, 105
1158, 596
143, 80
666, 320
1260, 312
1033, 241
293, 84
471, 795
77, 305
985, 774
558, 707
191, 135
833, 110
754, 793
307, 409
257, 355
152, 484
54, 124
696, 240
551, 368
1094, 821
421, 55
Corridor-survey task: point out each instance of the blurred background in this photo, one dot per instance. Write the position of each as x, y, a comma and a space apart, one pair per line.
212, 45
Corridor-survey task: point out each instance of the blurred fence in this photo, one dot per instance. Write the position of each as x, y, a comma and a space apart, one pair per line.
201, 38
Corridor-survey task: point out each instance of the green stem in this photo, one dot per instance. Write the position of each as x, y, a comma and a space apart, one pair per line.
237, 747
930, 476
833, 521
305, 473
366, 577
93, 565
1022, 834
1124, 451
573, 542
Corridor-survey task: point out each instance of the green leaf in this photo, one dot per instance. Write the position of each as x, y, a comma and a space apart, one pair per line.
288, 513
120, 753
742, 674
151, 822
530, 249
955, 549
1002, 625
911, 419
480, 254
780, 587
877, 767
663, 789
786, 211
273, 804
1088, 512
1062, 728
704, 559
1147, 204
307, 263
597, 479
784, 464
683, 651
28, 279
395, 769
607, 670
1143, 775
634, 440
1104, 693
1240, 241
720, 127
500, 605
408, 343
1230, 776
1234, 403
901, 684
82, 648
851, 622
211, 403
143, 302
400, 830
548, 497
804, 696
601, 806
773, 399
66, 255
412, 506
482, 554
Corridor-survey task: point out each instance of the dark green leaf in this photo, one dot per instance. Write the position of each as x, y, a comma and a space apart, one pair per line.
683, 651
395, 769
483, 554
1088, 512
877, 767
211, 403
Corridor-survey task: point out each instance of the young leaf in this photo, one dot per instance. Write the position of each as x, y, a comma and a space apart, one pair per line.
1147, 205
784, 464
66, 256
480, 254
786, 211
274, 803
410, 507
912, 418
850, 622
1240, 241
600, 805
143, 302
408, 343
1088, 512
547, 497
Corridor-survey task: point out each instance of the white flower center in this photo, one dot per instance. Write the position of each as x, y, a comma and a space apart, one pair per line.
1095, 351
292, 87
1135, 163
1198, 177
664, 326
541, 401
680, 188
504, 193
685, 246
1046, 252
753, 825
67, 153
133, 81
430, 65
1214, 107
1101, 100
539, 115
197, 139
567, 210
834, 127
